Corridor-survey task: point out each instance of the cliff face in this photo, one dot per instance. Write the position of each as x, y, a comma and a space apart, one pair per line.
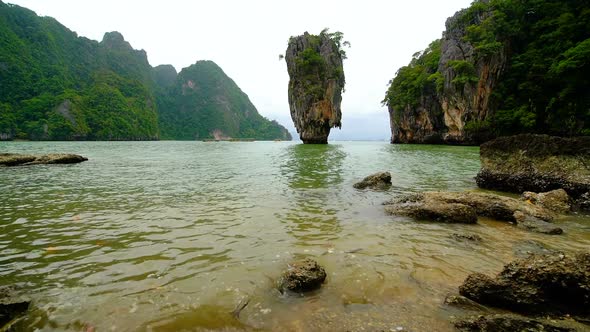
418, 124
469, 80
454, 97
316, 81
501, 68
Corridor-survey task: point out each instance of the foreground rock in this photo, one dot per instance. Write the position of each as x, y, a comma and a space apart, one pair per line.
316, 81
465, 207
536, 163
381, 180
15, 159
553, 284
426, 207
302, 276
510, 323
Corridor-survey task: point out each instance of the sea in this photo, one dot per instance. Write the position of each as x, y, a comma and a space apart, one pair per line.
174, 235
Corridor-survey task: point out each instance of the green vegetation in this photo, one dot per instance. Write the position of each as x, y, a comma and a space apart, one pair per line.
58, 86
464, 71
313, 68
415, 80
205, 100
543, 87
337, 37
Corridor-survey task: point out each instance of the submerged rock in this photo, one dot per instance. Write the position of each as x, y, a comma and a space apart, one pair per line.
468, 237
381, 180
15, 159
465, 207
536, 225
316, 81
509, 323
536, 163
555, 284
525, 248
302, 276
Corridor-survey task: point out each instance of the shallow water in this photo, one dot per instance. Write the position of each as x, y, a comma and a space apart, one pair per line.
168, 236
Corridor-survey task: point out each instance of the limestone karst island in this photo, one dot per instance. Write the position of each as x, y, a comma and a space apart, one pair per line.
404, 166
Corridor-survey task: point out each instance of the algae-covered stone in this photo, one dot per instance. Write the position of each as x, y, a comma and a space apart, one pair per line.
435, 211
381, 180
553, 283
465, 207
15, 159
537, 163
302, 276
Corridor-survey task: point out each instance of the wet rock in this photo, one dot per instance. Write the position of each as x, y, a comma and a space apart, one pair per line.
381, 180
314, 63
302, 276
536, 225
463, 303
10, 311
556, 200
11, 305
14, 159
583, 202
468, 237
509, 323
466, 206
553, 284
537, 163
433, 210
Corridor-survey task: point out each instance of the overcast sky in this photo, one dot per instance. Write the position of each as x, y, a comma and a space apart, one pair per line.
245, 38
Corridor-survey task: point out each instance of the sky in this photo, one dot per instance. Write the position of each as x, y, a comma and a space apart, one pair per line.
245, 39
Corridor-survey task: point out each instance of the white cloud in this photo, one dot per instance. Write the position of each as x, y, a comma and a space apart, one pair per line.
246, 37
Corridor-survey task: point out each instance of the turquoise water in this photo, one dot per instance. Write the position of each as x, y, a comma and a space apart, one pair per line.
168, 236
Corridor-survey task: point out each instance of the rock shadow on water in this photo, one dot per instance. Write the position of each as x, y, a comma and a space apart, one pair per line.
313, 173
313, 166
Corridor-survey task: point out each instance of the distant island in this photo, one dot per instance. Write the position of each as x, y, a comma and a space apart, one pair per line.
502, 67
56, 85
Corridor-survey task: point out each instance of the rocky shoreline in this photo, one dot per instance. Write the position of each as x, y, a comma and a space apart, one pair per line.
547, 291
